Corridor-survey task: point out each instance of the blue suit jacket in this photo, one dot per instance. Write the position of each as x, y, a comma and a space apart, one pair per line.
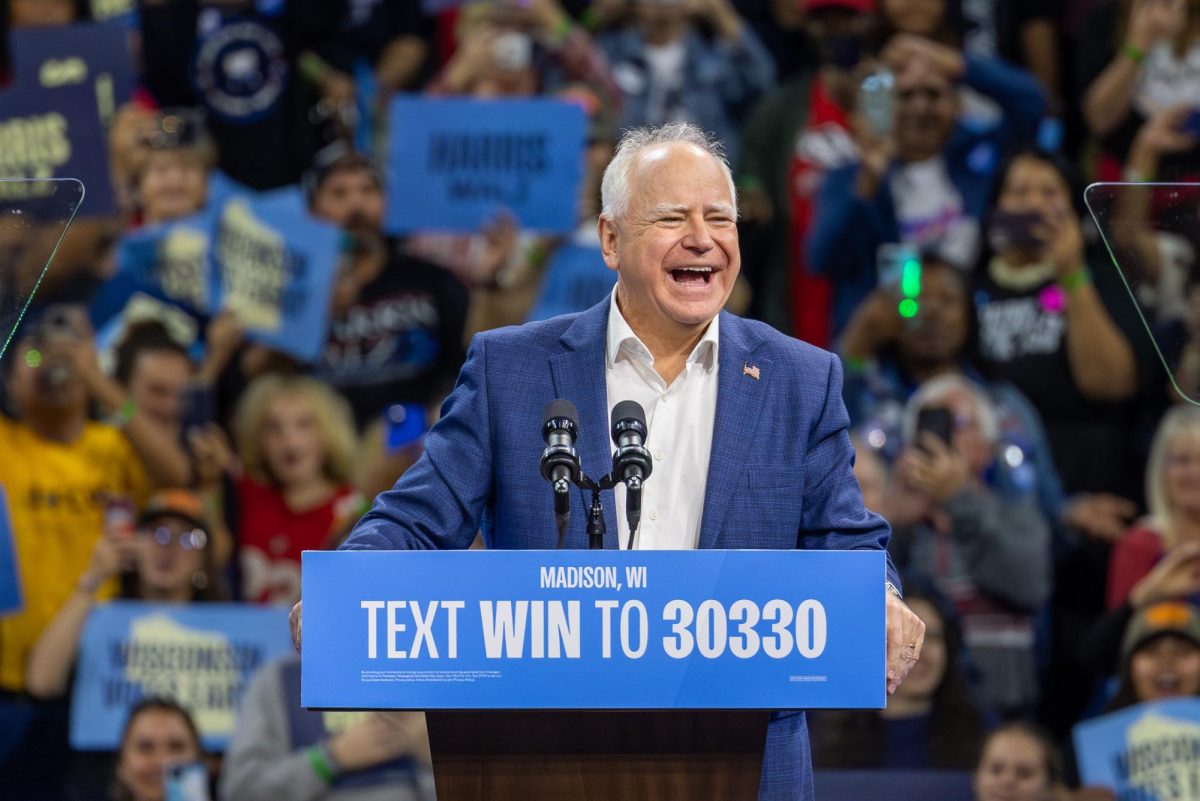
780, 472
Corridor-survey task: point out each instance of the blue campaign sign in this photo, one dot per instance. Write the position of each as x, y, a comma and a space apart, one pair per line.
55, 133
170, 261
11, 599
95, 55
455, 165
576, 280
274, 269
201, 655
1150, 752
593, 629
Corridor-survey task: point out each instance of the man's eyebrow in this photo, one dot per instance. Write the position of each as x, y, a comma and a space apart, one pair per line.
721, 208
668, 208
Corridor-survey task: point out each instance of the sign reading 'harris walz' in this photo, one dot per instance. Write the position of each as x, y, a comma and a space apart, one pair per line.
593, 629
457, 165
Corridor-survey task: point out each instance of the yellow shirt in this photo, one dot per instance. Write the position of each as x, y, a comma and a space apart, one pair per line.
56, 497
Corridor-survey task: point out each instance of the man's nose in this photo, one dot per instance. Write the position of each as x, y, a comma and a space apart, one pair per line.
698, 238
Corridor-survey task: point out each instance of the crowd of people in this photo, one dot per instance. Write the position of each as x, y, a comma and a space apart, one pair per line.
910, 187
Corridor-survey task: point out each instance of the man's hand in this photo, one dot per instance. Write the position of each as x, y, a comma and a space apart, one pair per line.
294, 622
905, 636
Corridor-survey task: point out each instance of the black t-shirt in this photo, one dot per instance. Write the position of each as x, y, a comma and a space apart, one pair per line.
239, 65
401, 341
1022, 339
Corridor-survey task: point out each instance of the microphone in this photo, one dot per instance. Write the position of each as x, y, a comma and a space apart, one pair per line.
631, 462
560, 463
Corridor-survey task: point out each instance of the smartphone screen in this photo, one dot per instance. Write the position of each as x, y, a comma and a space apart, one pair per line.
890, 259
937, 420
185, 781
196, 408
875, 102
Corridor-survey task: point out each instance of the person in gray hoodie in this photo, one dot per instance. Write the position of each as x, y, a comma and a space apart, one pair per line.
281, 751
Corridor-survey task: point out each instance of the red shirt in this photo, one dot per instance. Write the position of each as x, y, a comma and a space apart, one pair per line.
1134, 555
272, 537
824, 144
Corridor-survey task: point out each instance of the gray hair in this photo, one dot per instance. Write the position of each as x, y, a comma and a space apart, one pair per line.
937, 388
614, 188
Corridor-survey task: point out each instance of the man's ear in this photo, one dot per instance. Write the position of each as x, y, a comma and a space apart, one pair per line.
608, 241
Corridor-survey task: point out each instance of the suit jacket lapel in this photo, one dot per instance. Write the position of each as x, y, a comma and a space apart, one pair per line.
578, 374
739, 408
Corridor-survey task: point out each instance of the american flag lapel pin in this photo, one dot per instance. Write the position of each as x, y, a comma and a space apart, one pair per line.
751, 370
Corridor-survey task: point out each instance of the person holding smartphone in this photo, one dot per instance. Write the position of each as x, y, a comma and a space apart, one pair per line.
990, 554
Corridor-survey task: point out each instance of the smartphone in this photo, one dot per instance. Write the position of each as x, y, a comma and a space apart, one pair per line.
403, 424
185, 781
119, 517
876, 103
512, 51
1014, 230
890, 259
196, 408
937, 420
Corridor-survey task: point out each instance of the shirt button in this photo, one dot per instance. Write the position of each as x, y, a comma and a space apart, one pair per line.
658, 456
654, 515
665, 398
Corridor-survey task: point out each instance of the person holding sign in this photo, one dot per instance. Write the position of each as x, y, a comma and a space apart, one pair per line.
718, 391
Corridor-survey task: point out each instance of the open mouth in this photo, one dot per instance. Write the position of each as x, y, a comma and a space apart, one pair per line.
1168, 684
692, 276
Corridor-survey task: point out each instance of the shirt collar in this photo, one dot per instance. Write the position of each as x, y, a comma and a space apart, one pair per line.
622, 338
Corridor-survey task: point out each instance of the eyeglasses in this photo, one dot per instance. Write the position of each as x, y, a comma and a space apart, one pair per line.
190, 540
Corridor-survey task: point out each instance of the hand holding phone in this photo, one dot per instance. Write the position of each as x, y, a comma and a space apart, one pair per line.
185, 781
936, 420
876, 102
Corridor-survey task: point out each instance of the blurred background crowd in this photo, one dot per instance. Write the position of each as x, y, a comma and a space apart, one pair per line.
910, 178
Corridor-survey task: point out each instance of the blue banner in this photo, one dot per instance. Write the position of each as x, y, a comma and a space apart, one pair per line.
455, 165
1149, 752
274, 269
95, 55
593, 629
576, 280
11, 600
55, 133
201, 655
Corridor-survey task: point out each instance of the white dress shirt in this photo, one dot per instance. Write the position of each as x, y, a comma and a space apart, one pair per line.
679, 422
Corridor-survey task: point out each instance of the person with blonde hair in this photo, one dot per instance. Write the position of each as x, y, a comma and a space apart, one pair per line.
1156, 559
296, 442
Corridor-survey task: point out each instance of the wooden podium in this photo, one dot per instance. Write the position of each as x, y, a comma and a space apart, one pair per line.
602, 755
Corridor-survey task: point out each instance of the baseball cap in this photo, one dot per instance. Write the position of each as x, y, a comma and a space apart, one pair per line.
1169, 617
180, 503
858, 6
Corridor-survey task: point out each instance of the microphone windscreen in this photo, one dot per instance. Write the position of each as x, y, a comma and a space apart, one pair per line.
629, 410
560, 408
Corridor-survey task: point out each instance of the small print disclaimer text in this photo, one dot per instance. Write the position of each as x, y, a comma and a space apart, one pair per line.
410, 676
808, 678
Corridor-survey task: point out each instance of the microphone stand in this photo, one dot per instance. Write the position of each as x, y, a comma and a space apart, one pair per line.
595, 525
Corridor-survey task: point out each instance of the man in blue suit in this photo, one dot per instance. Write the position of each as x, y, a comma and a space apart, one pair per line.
747, 427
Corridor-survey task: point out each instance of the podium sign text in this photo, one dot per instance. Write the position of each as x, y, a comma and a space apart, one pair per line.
593, 629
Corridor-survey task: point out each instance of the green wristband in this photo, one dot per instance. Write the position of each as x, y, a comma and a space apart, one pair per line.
320, 764
1075, 279
1135, 54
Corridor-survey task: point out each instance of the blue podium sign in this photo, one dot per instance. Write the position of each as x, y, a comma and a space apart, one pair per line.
593, 629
